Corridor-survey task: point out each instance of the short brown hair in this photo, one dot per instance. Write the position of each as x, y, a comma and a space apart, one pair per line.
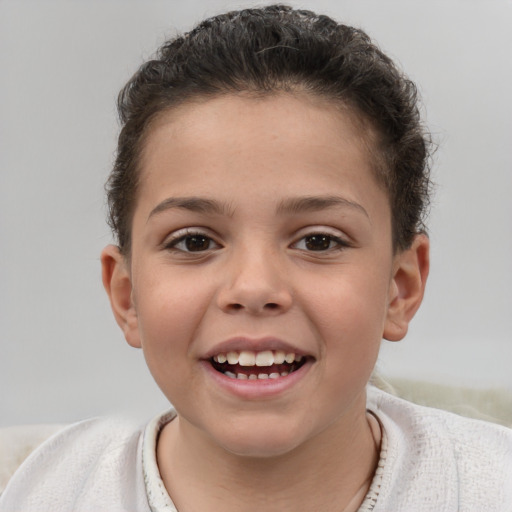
278, 48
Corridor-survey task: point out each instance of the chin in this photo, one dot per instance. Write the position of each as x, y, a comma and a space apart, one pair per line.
253, 449
261, 442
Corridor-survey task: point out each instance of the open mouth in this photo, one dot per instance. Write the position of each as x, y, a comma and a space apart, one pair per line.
249, 365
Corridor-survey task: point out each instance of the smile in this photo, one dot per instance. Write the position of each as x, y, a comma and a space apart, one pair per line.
257, 365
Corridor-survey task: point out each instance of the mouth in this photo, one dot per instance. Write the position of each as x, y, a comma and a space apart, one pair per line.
257, 365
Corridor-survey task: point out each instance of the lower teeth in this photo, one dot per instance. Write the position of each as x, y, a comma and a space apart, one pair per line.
253, 376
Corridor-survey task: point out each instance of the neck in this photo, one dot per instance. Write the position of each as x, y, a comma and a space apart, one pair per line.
330, 472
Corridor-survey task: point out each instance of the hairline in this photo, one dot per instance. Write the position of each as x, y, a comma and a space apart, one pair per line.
368, 133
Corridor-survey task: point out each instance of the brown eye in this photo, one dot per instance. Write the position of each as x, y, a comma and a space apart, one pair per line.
318, 242
192, 242
195, 243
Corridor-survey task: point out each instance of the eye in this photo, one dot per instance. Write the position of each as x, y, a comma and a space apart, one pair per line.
319, 242
191, 242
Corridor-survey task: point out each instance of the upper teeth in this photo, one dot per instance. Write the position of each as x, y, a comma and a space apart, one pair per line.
263, 358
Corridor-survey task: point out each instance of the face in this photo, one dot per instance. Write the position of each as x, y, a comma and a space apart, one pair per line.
262, 276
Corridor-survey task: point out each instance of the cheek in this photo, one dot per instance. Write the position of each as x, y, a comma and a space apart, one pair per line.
350, 316
169, 309
351, 302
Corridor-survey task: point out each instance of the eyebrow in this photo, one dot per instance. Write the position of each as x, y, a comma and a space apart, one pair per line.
193, 204
317, 203
293, 205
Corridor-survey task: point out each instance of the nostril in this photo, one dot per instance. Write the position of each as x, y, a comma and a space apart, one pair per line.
268, 306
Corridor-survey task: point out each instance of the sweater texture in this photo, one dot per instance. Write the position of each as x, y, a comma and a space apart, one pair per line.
430, 461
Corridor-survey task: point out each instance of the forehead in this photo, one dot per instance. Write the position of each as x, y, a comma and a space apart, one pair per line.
281, 141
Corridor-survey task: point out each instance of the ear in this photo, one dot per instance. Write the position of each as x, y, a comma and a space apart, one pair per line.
118, 285
410, 272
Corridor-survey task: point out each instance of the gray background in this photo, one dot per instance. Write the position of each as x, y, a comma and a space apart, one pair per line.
62, 357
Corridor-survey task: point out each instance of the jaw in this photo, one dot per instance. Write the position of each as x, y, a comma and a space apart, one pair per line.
270, 430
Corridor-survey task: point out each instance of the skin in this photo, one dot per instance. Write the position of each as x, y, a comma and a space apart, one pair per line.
256, 159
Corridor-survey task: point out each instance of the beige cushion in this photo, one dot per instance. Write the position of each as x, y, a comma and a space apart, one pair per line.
16, 444
493, 405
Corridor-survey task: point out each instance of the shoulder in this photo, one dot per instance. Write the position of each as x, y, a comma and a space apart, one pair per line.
75, 466
17, 443
441, 426
440, 459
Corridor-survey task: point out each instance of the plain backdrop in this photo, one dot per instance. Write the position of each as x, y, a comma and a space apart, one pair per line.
62, 357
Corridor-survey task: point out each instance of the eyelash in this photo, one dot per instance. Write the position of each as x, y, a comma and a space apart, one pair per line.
340, 244
182, 236
188, 234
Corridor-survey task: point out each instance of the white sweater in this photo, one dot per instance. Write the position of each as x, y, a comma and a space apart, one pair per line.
430, 460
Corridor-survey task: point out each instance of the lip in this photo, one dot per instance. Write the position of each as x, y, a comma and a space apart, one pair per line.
237, 344
260, 388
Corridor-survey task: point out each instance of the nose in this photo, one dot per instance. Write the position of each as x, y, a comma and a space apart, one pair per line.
255, 283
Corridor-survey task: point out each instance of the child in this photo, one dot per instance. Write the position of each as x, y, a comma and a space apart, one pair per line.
267, 199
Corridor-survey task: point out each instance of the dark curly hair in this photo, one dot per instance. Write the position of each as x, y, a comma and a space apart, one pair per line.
267, 50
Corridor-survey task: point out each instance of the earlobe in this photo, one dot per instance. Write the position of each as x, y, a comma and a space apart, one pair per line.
118, 285
407, 287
